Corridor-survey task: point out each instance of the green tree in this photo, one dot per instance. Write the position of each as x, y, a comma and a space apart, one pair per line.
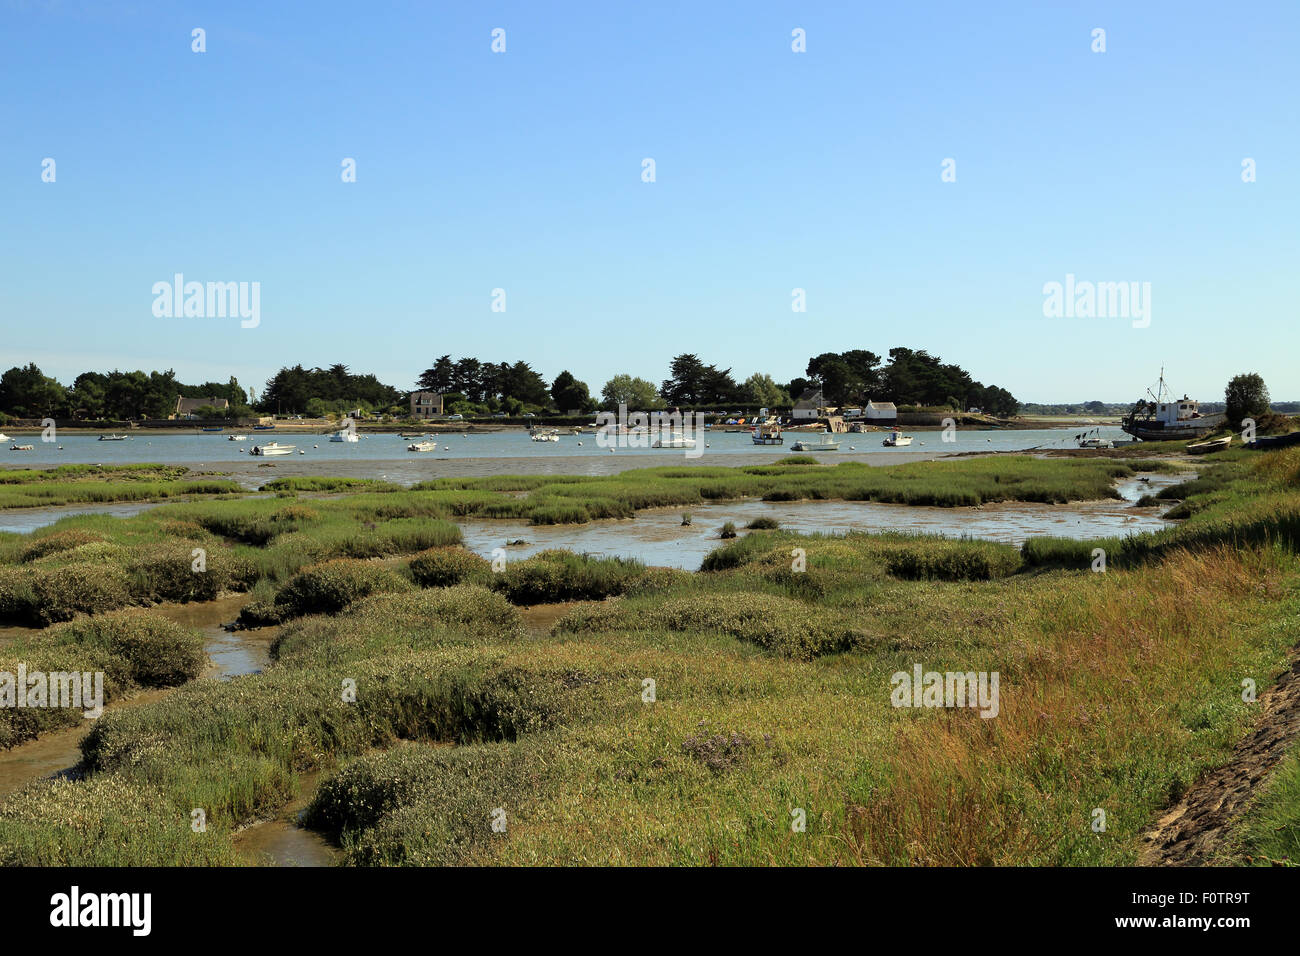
1245, 397
568, 393
636, 393
760, 389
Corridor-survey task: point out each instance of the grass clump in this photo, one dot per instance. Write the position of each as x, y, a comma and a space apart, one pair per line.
443, 567
556, 575
329, 587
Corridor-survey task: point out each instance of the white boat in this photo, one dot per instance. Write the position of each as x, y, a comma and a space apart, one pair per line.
825, 443
236, 438
272, 448
896, 439
21, 447
546, 436
1096, 443
112, 438
344, 435
4, 437
674, 440
422, 446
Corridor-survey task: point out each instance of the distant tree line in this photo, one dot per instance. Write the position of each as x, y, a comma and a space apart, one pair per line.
472, 386
26, 392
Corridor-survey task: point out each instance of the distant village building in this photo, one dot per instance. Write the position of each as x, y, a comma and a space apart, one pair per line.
809, 405
186, 407
426, 404
881, 410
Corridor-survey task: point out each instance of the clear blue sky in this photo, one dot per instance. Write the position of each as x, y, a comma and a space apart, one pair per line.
775, 170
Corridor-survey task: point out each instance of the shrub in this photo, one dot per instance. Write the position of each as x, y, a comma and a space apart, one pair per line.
330, 587
763, 524
728, 530
58, 541
564, 576
59, 593
443, 567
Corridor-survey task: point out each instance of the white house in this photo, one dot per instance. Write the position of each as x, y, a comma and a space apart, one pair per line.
809, 405
881, 410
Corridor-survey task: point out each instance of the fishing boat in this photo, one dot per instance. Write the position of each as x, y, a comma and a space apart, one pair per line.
767, 433
896, 439
824, 443
21, 447
1161, 418
1205, 447
674, 440
236, 438
344, 434
112, 438
272, 448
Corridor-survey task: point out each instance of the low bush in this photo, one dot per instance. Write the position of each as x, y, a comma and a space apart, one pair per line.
330, 587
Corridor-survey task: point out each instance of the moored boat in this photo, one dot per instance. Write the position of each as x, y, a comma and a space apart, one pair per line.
674, 440
422, 446
272, 448
236, 438
896, 439
112, 438
345, 435
767, 433
21, 447
824, 443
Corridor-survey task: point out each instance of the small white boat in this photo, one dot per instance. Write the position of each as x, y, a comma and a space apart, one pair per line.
344, 435
896, 439
1096, 443
546, 436
272, 448
768, 433
236, 438
674, 440
4, 437
422, 446
112, 438
825, 443
21, 447
1205, 447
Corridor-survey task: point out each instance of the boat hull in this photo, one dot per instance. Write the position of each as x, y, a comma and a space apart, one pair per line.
1192, 428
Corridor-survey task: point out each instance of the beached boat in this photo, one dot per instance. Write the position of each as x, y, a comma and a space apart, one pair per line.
896, 439
422, 446
219, 429
112, 438
824, 443
344, 435
272, 448
1095, 442
1205, 447
21, 447
262, 428
236, 438
674, 440
1162, 419
1264, 442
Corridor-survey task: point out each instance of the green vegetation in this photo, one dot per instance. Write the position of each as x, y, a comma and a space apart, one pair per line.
94, 484
132, 650
415, 690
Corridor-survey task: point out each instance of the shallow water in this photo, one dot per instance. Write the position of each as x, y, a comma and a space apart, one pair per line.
281, 841
214, 451
657, 536
24, 520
